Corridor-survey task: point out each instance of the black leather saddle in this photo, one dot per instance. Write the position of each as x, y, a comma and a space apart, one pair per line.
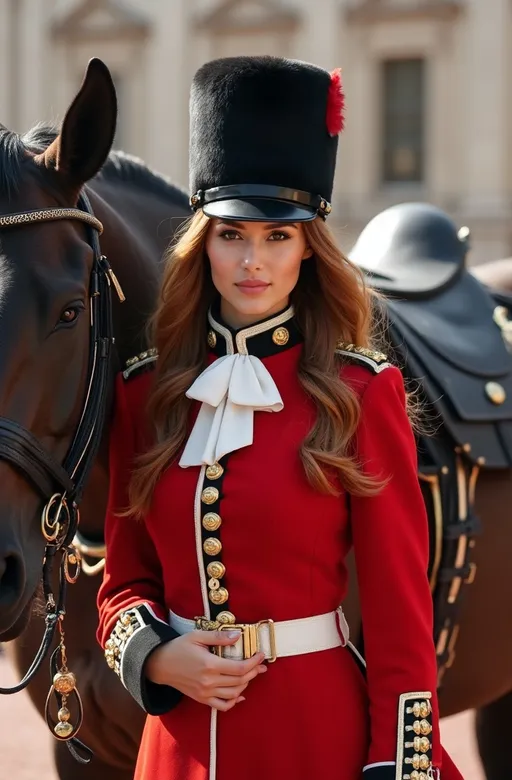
449, 330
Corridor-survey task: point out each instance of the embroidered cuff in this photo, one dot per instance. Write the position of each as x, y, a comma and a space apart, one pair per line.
414, 748
135, 635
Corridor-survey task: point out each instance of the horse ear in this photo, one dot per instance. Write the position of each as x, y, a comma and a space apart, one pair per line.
88, 129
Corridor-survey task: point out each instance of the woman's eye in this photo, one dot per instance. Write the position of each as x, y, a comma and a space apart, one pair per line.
278, 235
229, 235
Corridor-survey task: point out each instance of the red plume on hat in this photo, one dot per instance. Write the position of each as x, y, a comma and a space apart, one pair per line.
335, 119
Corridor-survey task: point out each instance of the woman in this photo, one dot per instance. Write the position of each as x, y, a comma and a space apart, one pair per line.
268, 450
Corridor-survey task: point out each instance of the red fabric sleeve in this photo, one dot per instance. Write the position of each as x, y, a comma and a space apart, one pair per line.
132, 572
391, 544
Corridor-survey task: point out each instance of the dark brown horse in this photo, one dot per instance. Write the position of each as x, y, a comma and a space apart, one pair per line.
44, 278
45, 272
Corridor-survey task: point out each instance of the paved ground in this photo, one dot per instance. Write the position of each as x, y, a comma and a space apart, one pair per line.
25, 757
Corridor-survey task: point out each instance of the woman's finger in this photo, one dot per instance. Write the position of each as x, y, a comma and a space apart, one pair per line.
224, 706
228, 693
228, 681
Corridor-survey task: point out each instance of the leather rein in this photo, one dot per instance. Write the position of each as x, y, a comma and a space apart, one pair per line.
61, 485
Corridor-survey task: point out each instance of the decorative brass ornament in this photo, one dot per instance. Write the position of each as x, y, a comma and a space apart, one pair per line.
281, 336
212, 521
495, 393
213, 583
212, 339
216, 569
215, 471
219, 596
64, 682
205, 624
226, 618
420, 709
72, 558
212, 546
63, 688
55, 518
210, 495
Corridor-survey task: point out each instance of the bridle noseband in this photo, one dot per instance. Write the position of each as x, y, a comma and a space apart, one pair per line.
61, 485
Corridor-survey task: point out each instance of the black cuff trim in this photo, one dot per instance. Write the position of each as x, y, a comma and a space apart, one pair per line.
380, 773
136, 634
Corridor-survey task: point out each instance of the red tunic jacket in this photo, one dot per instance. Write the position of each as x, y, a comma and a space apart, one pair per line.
283, 547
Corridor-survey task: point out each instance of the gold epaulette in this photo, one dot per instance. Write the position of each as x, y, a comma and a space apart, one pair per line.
376, 361
135, 364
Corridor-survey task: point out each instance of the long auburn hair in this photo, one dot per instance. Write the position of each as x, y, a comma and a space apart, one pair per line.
332, 304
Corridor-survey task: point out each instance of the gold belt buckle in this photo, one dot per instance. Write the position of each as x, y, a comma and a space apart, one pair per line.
251, 638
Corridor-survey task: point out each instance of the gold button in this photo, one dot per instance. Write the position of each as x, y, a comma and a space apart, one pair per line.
215, 471
424, 762
210, 495
425, 709
424, 727
219, 596
213, 584
495, 393
216, 569
212, 521
280, 337
424, 745
212, 546
212, 339
226, 618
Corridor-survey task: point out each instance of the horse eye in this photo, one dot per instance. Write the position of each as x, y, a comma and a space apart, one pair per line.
70, 315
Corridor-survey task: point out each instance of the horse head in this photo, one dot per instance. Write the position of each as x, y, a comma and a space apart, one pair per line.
45, 330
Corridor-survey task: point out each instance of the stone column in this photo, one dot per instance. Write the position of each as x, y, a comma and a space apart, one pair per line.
167, 102
319, 38
484, 125
33, 25
5, 62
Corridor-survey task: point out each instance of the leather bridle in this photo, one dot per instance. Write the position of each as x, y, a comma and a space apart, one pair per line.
61, 485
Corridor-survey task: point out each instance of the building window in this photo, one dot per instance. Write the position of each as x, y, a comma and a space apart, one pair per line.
403, 120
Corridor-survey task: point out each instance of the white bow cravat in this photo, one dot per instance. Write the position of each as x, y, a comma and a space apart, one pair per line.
231, 390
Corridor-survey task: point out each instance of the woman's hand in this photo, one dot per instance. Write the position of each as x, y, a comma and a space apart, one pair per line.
187, 664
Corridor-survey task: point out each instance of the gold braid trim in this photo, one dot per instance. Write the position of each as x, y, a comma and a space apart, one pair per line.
134, 364
129, 622
377, 361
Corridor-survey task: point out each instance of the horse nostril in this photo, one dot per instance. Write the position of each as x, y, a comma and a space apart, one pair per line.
10, 579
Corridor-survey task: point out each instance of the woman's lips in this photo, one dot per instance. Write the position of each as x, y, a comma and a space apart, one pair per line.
252, 286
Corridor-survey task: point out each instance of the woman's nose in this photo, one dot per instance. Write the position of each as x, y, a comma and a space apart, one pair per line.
251, 258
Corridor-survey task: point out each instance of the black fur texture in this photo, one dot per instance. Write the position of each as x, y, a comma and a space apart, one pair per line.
261, 120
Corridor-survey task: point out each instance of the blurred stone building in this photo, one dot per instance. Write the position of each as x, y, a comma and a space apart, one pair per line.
428, 86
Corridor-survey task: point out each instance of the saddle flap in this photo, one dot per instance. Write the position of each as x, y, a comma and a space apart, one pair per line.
469, 394
457, 325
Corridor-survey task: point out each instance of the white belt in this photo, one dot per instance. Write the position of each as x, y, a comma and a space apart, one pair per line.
281, 639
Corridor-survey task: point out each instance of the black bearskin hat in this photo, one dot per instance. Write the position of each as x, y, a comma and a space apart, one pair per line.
263, 138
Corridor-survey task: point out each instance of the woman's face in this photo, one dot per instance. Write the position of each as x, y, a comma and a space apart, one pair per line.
255, 266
